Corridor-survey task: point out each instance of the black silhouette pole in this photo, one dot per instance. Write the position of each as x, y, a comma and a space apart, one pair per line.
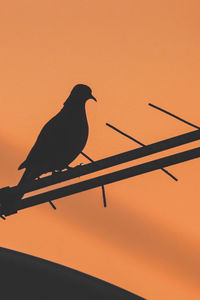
11, 202
112, 161
141, 144
51, 203
102, 187
109, 178
174, 116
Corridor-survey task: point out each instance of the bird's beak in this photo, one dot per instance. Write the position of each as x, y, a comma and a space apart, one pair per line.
92, 97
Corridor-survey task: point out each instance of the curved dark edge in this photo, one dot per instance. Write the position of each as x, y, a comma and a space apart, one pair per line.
36, 262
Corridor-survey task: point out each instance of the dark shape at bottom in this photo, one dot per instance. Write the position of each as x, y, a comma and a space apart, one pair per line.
27, 277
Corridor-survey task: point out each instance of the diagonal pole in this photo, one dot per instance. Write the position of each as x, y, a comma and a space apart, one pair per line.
10, 197
111, 161
109, 178
174, 116
141, 144
103, 188
51, 203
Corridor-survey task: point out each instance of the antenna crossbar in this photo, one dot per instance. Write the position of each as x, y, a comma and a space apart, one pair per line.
113, 160
10, 201
110, 178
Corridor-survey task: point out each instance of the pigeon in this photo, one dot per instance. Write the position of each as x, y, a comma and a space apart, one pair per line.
62, 139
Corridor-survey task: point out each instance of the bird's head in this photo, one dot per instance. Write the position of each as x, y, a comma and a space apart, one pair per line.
81, 92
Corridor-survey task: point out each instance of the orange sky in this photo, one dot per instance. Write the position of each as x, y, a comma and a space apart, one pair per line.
130, 53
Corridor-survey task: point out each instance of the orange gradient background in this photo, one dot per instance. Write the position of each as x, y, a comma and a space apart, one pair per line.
130, 53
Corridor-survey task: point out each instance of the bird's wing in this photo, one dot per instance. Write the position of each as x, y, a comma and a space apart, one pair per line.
43, 144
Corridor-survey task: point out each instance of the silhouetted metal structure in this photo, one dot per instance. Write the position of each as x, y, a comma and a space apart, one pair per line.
10, 201
141, 144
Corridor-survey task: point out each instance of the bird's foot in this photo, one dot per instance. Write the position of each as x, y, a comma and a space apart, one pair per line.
55, 172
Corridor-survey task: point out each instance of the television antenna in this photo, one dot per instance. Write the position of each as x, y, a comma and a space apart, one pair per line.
11, 201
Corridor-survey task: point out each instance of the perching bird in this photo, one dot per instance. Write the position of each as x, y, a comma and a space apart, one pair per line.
62, 139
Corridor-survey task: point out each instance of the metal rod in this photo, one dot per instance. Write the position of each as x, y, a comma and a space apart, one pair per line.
169, 174
110, 178
104, 196
174, 116
125, 134
113, 161
102, 187
51, 203
140, 143
86, 156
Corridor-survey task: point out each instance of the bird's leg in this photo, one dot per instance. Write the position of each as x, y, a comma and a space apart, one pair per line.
54, 172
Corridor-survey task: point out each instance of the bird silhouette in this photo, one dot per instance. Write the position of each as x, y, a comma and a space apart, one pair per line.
62, 139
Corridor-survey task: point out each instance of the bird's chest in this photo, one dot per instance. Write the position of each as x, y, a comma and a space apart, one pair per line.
74, 131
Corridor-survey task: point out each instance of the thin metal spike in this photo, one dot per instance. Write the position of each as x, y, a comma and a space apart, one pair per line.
170, 174
141, 144
102, 187
104, 196
86, 156
51, 203
174, 116
110, 178
125, 134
